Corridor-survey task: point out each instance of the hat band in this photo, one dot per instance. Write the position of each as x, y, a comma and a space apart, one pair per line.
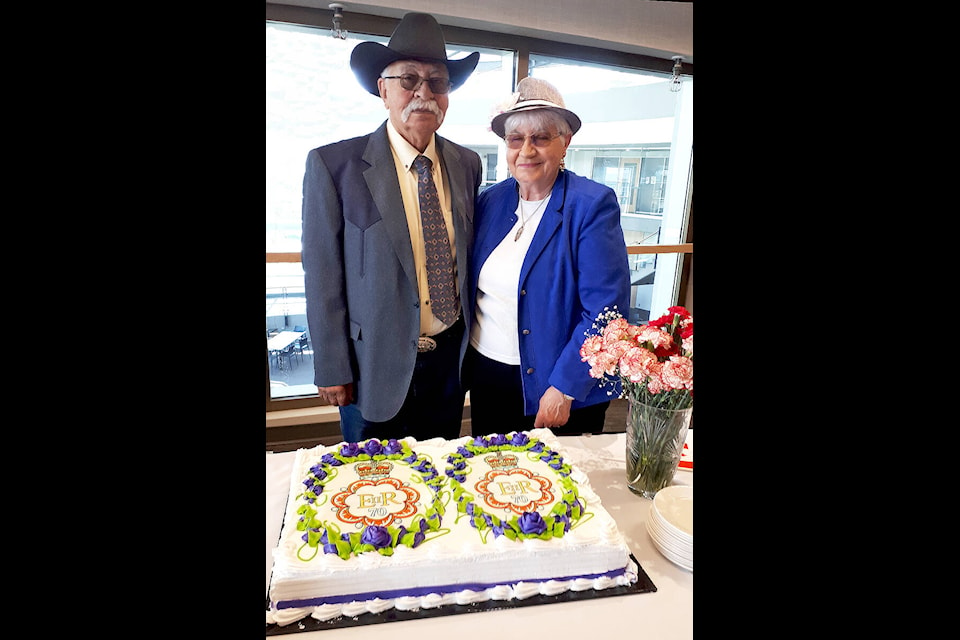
533, 104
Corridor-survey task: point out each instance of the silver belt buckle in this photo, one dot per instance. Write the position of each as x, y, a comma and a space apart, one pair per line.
426, 343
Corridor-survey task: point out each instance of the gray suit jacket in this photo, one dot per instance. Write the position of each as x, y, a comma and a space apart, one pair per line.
361, 285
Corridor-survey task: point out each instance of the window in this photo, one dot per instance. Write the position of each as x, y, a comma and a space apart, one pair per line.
636, 138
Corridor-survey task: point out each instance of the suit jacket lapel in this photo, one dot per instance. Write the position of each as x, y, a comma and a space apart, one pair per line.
381, 179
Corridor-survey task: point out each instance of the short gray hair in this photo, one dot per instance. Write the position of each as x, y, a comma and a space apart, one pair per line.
538, 118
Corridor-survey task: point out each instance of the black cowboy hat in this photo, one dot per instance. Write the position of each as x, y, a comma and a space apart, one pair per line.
417, 37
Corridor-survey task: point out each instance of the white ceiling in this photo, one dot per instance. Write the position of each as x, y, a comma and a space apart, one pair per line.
658, 29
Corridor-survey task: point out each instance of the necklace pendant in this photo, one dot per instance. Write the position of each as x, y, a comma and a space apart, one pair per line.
519, 233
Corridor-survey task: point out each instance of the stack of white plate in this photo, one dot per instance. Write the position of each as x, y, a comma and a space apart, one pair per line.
670, 524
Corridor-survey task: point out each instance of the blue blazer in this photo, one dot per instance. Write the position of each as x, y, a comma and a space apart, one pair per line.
363, 305
575, 267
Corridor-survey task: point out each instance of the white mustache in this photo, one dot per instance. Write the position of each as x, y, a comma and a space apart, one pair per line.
419, 104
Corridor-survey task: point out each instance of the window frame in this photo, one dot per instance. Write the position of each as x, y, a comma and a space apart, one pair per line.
523, 47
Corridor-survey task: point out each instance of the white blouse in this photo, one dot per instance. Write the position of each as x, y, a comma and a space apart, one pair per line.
494, 332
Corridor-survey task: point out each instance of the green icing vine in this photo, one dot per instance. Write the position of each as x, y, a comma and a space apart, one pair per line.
322, 534
565, 515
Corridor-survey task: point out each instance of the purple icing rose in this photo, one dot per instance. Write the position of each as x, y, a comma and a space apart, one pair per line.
531, 522
466, 453
393, 446
519, 439
373, 447
377, 536
330, 460
497, 440
350, 450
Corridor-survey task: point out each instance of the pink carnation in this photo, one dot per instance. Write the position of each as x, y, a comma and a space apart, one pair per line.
591, 346
677, 373
655, 384
602, 363
617, 337
635, 364
656, 337
616, 328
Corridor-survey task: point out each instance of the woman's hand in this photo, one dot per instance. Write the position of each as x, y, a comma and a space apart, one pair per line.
554, 409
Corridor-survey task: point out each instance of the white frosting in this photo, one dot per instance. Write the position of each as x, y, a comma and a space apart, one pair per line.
454, 555
327, 612
407, 603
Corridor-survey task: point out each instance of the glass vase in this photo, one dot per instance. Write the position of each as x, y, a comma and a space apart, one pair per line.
655, 440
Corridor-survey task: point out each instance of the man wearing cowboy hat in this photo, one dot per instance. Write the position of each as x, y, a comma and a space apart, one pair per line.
388, 345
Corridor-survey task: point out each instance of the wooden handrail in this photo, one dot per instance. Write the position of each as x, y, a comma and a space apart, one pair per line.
637, 249
283, 257
631, 250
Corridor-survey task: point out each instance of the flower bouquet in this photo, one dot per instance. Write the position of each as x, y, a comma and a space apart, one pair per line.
651, 366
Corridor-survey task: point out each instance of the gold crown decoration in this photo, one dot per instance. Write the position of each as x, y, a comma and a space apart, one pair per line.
371, 470
500, 461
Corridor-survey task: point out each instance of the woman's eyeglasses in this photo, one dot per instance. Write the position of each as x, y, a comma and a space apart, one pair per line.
412, 82
539, 140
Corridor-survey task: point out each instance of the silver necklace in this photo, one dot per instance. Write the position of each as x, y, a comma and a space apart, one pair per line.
524, 217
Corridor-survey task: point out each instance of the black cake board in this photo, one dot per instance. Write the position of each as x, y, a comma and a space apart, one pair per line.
643, 585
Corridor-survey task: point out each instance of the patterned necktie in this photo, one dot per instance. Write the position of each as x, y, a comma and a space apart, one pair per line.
443, 287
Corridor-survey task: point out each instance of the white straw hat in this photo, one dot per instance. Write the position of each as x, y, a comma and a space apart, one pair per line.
534, 93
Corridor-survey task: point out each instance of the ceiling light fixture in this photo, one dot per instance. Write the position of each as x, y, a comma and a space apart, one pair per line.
337, 17
675, 83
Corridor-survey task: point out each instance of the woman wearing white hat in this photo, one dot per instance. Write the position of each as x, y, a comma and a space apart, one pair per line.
549, 256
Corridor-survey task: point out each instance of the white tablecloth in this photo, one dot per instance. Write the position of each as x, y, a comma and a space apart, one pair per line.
666, 614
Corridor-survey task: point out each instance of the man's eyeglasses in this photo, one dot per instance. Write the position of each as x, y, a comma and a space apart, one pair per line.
412, 82
539, 140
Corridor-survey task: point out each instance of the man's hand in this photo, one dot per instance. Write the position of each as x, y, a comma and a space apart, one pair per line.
339, 396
